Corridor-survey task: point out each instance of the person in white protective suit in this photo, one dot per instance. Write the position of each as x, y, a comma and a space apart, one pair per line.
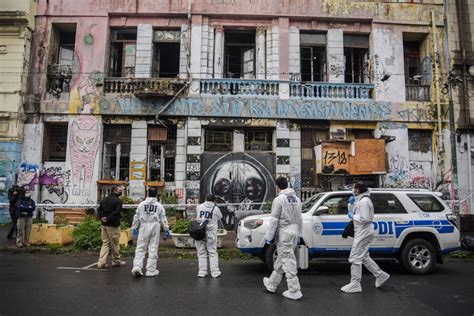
207, 248
285, 228
148, 217
361, 211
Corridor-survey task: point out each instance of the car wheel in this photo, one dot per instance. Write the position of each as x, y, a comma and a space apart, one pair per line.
418, 256
270, 256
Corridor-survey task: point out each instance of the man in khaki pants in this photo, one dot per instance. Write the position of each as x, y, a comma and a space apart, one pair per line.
109, 212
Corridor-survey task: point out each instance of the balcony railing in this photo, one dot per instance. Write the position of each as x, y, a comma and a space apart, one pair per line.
143, 86
239, 87
417, 92
323, 90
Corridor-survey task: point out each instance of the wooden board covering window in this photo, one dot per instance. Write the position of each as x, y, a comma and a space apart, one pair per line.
369, 157
157, 134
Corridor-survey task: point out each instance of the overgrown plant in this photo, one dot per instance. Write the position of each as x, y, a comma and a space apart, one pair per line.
87, 235
181, 227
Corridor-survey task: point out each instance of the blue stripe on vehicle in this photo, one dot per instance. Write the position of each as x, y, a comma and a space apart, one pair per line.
252, 251
334, 225
445, 251
332, 232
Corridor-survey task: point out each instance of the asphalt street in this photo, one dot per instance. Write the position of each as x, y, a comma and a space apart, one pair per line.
33, 284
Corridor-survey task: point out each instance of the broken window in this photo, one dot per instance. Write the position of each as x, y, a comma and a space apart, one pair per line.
420, 140
356, 50
122, 52
166, 49
258, 140
310, 137
116, 152
356, 133
313, 57
62, 58
161, 153
417, 83
239, 53
55, 142
218, 140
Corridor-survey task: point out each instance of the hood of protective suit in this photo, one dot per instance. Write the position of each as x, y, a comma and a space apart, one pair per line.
150, 200
288, 192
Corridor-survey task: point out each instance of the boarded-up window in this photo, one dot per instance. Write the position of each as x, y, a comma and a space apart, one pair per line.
157, 134
369, 157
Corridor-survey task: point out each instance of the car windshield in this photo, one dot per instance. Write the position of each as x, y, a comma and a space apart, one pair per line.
309, 203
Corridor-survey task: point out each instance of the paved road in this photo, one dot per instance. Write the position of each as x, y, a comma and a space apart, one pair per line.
32, 284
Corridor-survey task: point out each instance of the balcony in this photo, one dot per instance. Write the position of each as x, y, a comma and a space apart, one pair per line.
143, 86
323, 90
245, 87
416, 92
59, 77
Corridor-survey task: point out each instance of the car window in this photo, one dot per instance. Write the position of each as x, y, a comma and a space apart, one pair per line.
308, 204
427, 203
337, 204
386, 203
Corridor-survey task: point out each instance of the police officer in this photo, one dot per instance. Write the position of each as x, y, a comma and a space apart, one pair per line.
286, 227
207, 248
362, 213
148, 217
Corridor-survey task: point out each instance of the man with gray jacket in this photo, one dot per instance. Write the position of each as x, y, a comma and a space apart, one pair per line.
285, 229
207, 248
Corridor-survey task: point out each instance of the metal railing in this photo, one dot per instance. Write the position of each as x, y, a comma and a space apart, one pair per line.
146, 86
418, 92
324, 90
251, 87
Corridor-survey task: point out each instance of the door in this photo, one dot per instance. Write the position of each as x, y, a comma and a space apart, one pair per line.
129, 59
328, 228
248, 57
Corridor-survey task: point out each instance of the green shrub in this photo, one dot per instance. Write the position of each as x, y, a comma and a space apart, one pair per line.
87, 235
167, 198
181, 227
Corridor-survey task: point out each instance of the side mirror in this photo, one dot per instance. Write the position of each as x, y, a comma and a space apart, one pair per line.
322, 210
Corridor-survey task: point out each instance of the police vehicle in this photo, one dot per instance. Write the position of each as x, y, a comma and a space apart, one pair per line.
414, 226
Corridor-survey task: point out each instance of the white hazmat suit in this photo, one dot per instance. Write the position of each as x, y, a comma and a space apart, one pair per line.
148, 217
363, 236
285, 227
207, 248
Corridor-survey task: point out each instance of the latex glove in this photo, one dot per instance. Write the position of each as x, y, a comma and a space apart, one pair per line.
269, 242
350, 215
134, 232
166, 234
352, 200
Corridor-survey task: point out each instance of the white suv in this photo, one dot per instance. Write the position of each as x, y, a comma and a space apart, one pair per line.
414, 226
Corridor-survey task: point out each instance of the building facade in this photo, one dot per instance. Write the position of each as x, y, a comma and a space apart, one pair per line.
16, 26
223, 96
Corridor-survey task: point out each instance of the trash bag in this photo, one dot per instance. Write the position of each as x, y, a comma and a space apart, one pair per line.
467, 243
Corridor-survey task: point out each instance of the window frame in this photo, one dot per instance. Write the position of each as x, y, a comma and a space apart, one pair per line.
411, 196
47, 146
397, 201
337, 195
214, 149
248, 144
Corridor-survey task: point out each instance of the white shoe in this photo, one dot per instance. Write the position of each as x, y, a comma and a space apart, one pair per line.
381, 279
352, 288
152, 273
202, 275
216, 274
270, 287
137, 272
293, 295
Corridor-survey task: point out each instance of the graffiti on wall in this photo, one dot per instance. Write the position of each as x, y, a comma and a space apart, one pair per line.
378, 74
420, 177
417, 113
398, 175
8, 171
55, 182
238, 178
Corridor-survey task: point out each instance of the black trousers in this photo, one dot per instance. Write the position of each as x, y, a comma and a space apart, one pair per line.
13, 229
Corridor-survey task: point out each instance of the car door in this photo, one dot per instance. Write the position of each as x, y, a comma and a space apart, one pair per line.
388, 214
328, 228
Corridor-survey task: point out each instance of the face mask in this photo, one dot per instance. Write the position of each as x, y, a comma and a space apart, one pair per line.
27, 195
119, 194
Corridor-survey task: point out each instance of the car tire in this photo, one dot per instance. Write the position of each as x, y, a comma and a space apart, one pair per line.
270, 255
418, 256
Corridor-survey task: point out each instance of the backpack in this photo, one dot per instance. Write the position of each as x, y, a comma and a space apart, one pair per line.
197, 229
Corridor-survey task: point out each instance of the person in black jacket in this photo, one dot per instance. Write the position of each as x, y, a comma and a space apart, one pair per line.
13, 195
25, 207
109, 214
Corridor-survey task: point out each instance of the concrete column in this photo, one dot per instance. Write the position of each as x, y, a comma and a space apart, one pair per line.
204, 47
193, 160
268, 53
295, 158
210, 54
260, 45
283, 149
138, 153
144, 51
196, 40
275, 67
294, 54
219, 52
184, 52
335, 55
284, 47
180, 167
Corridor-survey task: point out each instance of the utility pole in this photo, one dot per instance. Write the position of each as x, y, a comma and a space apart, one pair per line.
452, 127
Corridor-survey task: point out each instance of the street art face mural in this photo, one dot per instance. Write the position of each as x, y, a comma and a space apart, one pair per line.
240, 179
